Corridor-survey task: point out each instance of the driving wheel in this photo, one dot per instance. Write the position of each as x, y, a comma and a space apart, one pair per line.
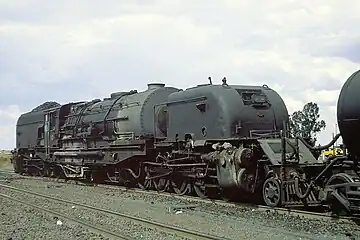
200, 191
161, 184
145, 183
272, 192
179, 187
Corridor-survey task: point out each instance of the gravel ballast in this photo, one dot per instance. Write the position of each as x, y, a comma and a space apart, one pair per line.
230, 222
19, 222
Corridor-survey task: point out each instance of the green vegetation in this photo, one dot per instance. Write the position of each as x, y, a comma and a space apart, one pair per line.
306, 123
4, 158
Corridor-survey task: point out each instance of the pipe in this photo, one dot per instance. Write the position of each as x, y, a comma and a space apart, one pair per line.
312, 183
176, 165
78, 154
297, 189
320, 147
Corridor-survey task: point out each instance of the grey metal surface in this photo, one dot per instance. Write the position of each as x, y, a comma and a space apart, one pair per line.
131, 113
207, 111
272, 149
28, 128
218, 111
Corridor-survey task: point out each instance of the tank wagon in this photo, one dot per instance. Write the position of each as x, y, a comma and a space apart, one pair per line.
213, 140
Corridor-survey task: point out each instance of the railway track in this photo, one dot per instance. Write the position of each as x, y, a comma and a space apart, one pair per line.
294, 212
189, 234
280, 210
91, 227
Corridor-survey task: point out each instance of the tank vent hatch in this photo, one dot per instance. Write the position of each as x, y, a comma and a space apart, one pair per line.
155, 85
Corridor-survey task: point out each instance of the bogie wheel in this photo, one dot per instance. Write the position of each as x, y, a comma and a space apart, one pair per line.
272, 192
340, 178
179, 187
224, 194
91, 177
161, 184
200, 190
146, 183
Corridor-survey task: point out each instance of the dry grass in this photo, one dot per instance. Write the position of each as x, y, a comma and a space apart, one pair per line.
4, 158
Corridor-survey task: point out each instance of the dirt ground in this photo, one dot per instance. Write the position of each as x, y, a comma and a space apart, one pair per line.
22, 222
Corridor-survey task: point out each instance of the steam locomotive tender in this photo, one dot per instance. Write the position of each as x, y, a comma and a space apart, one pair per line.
211, 140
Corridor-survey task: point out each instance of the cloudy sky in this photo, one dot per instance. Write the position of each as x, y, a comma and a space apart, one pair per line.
65, 50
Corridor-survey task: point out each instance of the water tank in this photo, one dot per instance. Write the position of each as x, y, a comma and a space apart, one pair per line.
348, 113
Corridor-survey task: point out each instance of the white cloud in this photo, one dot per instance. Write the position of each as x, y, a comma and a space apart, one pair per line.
85, 49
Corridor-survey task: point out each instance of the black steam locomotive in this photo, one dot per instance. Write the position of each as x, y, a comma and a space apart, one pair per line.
210, 140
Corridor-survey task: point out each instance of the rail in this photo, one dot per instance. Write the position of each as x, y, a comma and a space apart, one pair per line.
282, 210
164, 227
219, 202
91, 227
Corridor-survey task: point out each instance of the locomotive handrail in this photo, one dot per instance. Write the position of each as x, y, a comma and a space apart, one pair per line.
264, 133
113, 104
188, 100
79, 115
51, 109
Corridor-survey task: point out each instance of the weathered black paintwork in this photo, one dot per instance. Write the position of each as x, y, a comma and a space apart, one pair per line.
348, 113
225, 111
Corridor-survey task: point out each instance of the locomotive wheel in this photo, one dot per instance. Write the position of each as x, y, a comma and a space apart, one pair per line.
43, 173
200, 190
179, 188
229, 194
272, 192
91, 177
223, 194
161, 184
336, 207
146, 184
48, 172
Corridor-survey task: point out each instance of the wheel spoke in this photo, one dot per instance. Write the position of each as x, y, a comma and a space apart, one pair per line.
200, 191
161, 184
336, 207
272, 192
179, 188
147, 183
